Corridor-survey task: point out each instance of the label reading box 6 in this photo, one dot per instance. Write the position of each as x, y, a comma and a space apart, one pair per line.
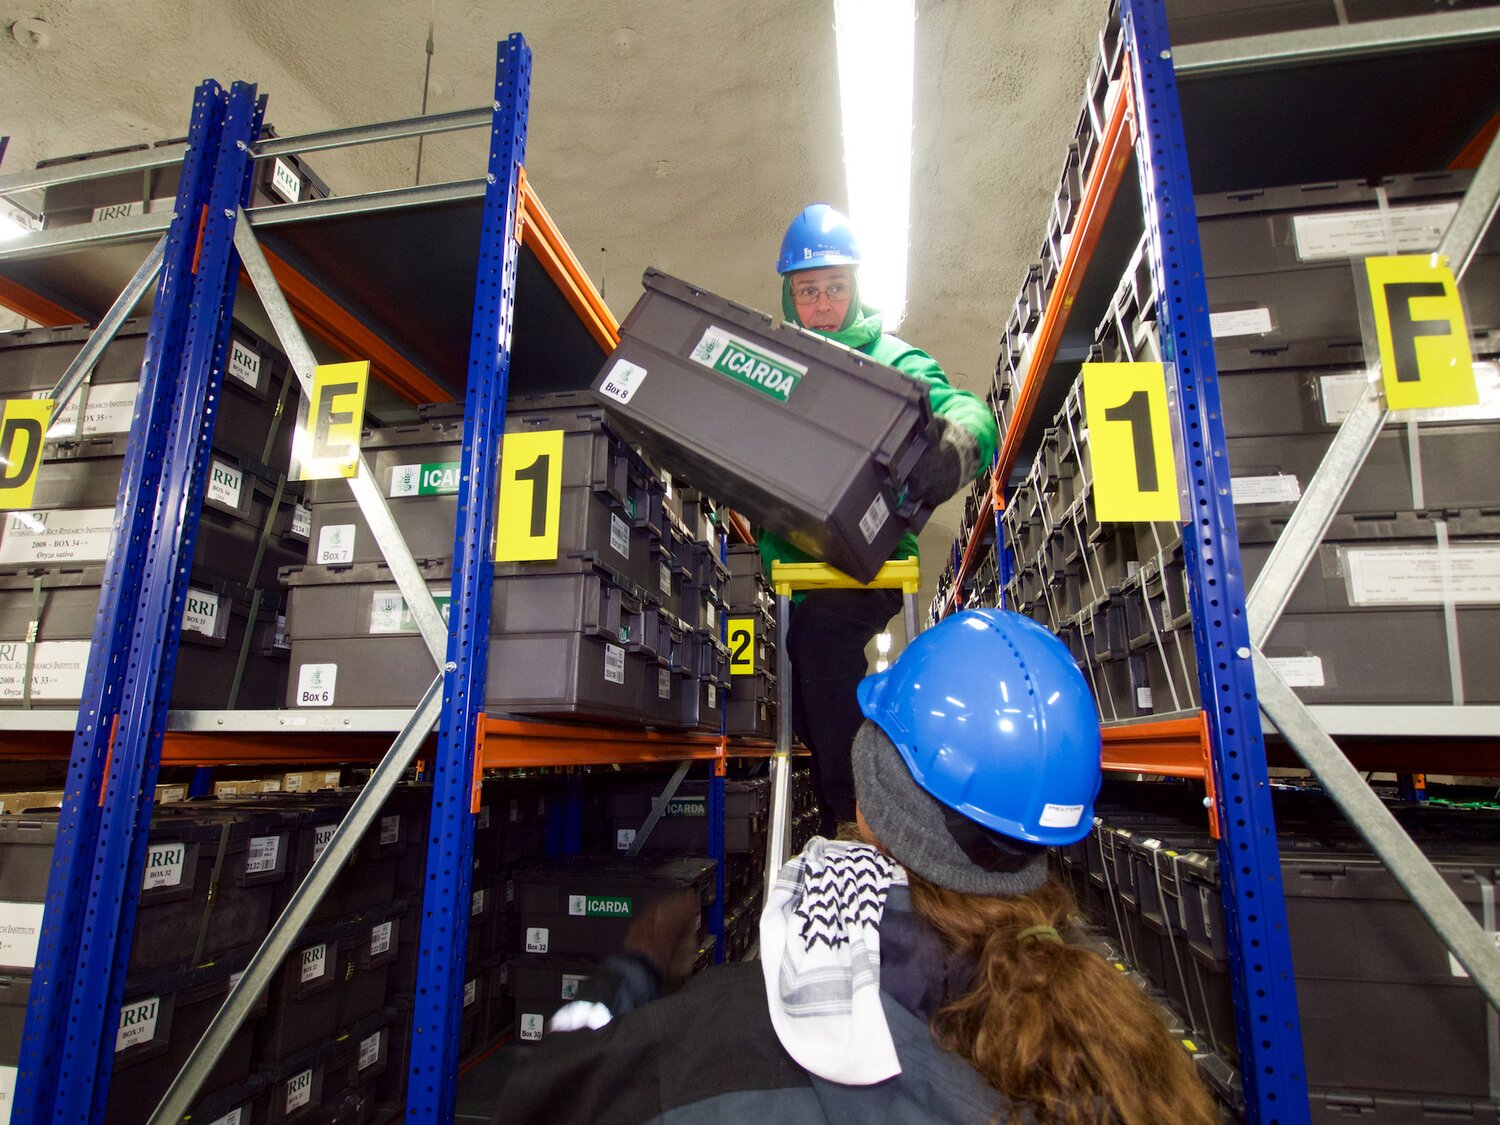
315, 685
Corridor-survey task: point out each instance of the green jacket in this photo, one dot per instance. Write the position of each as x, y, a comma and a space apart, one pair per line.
960, 407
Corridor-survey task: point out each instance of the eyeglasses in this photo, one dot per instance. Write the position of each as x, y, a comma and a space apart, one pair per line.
808, 294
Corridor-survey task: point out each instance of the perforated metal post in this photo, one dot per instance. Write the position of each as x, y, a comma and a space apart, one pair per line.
1260, 956
50, 1059
445, 912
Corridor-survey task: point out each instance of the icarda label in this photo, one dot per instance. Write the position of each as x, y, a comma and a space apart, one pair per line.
436, 478
599, 906
772, 375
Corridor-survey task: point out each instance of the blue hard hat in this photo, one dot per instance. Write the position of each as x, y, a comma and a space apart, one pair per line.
993, 718
819, 236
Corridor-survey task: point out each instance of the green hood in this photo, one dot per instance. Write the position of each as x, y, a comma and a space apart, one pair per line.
858, 315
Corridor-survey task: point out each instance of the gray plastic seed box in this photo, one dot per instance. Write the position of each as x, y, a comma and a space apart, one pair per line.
810, 440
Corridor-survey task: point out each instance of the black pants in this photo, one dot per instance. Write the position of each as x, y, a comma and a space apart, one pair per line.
827, 639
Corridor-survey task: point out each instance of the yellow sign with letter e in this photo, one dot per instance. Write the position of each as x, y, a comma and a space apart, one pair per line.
528, 520
23, 427
1419, 324
326, 443
1130, 443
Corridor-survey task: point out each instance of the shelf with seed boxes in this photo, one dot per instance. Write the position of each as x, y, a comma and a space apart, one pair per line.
753, 640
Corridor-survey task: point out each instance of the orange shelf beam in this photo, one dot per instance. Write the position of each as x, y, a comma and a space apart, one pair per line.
1170, 748
540, 235
34, 307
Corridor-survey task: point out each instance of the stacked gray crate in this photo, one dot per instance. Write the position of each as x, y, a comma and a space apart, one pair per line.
52, 557
753, 694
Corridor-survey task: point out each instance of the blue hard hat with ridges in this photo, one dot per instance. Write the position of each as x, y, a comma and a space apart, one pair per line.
819, 236
993, 718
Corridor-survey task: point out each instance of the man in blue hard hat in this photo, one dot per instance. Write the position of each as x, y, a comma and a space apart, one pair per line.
830, 629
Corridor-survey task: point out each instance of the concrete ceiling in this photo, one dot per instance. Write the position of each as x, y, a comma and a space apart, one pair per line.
688, 148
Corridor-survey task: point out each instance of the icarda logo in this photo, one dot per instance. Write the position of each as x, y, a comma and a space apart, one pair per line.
772, 375
599, 906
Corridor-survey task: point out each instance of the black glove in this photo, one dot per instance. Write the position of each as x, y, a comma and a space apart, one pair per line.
947, 465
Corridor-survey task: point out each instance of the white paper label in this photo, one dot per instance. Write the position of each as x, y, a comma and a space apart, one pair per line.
225, 484
279, 639
623, 380
483, 819
619, 536
299, 1090
614, 664
1060, 816
336, 544
664, 579
315, 685
235, 1116
1207, 911
314, 962
1143, 698
390, 830
380, 939
137, 1023
1358, 234
471, 991
1458, 970
79, 535
369, 1051
1340, 393
322, 836
510, 891
1464, 575
664, 684
262, 854
1283, 488
1299, 671
536, 939
708, 615
20, 930
117, 211
200, 614
476, 903
713, 698
244, 363
109, 410
624, 837
286, 181
1239, 322
531, 1027
8, 1094
164, 864
56, 673
570, 983
874, 518
515, 811
578, 905
302, 521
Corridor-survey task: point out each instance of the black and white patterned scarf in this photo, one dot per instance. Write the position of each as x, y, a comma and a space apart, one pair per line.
820, 951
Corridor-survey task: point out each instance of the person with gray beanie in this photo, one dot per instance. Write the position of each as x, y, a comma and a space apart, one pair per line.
927, 972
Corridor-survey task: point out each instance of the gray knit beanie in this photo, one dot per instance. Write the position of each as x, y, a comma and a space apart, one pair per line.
926, 836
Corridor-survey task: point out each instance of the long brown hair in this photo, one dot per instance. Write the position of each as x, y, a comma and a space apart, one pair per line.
1053, 1025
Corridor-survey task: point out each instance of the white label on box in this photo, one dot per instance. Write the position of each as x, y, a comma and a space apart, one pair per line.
476, 903
225, 483
570, 983
531, 1027
8, 1093
200, 614
109, 410
286, 180
619, 536
1458, 970
664, 684
483, 820
235, 1116
1208, 912
515, 811
708, 614
1283, 488
1239, 322
336, 544
20, 930
315, 684
270, 785
1340, 393
57, 670
163, 866
380, 939
578, 905
1464, 575
244, 363
510, 891
299, 1090
322, 836
314, 962
1358, 234
112, 211
137, 1023
302, 521
262, 854
369, 1051
614, 664
713, 698
471, 991
1299, 671
280, 638
1143, 698
624, 837
623, 380
1060, 816
390, 830
874, 518
664, 579
77, 535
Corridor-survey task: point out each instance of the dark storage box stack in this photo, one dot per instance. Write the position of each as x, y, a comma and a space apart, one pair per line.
1149, 876
703, 669
52, 558
753, 695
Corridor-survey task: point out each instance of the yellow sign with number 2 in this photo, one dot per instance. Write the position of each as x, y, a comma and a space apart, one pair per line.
1130, 443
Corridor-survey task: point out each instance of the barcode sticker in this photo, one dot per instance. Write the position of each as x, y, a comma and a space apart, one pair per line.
483, 820
664, 684
614, 664
1143, 698
262, 854
302, 521
369, 1051
471, 991
713, 697
874, 518
664, 578
380, 938
390, 830
619, 536
476, 903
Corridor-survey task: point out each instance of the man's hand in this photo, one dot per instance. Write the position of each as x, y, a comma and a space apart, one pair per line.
948, 464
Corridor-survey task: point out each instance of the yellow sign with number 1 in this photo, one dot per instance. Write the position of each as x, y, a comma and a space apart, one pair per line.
530, 513
1130, 443
1419, 323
